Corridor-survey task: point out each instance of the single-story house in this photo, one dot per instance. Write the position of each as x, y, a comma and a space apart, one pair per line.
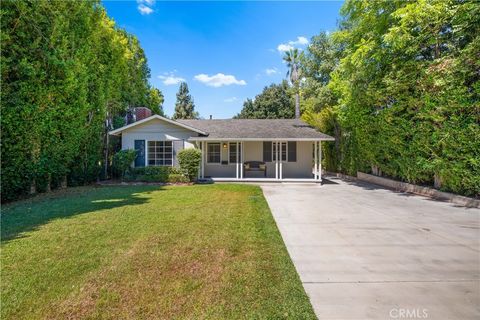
232, 149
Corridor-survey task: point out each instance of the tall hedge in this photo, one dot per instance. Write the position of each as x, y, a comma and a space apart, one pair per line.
66, 70
406, 92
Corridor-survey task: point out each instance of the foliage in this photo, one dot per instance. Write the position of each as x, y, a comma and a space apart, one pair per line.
403, 86
184, 107
274, 102
155, 101
189, 161
162, 174
122, 161
66, 72
292, 58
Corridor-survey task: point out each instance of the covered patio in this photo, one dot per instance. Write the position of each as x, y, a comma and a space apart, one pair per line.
276, 150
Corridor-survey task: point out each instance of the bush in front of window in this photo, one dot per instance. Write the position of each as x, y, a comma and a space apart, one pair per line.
189, 161
122, 161
161, 174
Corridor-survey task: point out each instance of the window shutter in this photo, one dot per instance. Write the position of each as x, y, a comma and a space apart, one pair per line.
292, 151
267, 151
178, 145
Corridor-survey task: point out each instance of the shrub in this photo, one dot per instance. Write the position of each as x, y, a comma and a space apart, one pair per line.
156, 174
122, 161
177, 178
189, 160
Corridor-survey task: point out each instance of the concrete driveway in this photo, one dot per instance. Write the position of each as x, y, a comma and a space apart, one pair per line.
364, 252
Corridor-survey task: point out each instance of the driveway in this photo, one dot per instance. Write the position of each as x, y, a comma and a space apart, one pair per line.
364, 252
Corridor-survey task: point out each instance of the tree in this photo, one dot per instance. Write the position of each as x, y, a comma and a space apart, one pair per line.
274, 102
184, 107
155, 101
65, 77
292, 59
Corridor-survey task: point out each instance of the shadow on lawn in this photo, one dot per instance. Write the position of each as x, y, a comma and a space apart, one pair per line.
29, 215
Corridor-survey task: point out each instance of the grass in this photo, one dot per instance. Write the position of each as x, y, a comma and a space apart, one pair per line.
142, 252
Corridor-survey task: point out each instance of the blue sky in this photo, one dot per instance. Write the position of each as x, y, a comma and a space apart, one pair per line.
225, 51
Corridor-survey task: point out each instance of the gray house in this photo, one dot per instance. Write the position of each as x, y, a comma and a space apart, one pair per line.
232, 149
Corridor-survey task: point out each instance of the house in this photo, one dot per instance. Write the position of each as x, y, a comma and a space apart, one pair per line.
232, 149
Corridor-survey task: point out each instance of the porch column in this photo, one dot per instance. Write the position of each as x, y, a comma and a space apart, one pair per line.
241, 159
320, 161
315, 160
276, 159
237, 171
281, 158
203, 160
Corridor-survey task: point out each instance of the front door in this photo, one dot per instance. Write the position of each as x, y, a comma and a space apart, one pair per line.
140, 148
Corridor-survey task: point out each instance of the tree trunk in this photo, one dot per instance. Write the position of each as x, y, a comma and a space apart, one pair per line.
33, 187
63, 184
437, 181
297, 106
49, 184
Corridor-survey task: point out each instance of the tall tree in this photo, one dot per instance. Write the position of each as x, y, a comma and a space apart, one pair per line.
274, 102
292, 59
184, 107
155, 101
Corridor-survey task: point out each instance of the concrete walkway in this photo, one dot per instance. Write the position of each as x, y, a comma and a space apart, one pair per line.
364, 252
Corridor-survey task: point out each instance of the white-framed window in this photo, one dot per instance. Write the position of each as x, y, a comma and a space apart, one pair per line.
213, 152
160, 153
283, 151
232, 152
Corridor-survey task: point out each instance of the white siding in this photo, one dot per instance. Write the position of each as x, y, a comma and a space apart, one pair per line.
155, 129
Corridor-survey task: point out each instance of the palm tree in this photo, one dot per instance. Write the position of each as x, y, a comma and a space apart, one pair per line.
292, 58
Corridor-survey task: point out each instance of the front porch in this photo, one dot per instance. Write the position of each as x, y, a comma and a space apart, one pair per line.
280, 160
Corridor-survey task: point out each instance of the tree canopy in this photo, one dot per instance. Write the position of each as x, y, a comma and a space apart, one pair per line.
184, 106
67, 72
398, 86
274, 102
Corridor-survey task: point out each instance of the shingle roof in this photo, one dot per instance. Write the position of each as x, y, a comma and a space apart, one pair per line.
266, 129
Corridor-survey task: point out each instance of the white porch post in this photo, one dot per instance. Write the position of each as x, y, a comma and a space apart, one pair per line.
320, 161
237, 161
281, 159
203, 160
241, 159
315, 160
276, 160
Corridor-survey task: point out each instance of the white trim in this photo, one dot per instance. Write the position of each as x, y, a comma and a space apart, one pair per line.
203, 158
264, 180
214, 142
320, 160
259, 139
315, 160
156, 116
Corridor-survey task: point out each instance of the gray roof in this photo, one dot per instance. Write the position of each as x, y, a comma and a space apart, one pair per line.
255, 129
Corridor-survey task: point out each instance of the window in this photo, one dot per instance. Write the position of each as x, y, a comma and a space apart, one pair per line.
267, 151
282, 151
232, 156
292, 151
213, 152
160, 153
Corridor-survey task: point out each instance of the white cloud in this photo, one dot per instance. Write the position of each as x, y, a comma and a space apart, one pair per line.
147, 2
301, 41
282, 47
218, 80
169, 78
271, 71
143, 9
232, 99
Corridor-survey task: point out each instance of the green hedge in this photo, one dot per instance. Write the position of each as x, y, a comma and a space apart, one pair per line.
189, 160
156, 174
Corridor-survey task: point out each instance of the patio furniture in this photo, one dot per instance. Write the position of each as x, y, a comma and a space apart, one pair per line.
255, 166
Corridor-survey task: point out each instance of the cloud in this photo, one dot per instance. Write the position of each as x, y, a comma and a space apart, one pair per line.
301, 41
232, 99
144, 10
271, 71
218, 80
169, 78
282, 47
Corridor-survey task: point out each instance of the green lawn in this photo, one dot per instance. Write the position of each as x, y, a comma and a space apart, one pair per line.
142, 252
